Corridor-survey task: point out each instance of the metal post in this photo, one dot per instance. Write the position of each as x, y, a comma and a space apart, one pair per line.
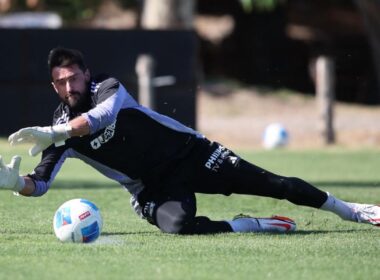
145, 73
325, 94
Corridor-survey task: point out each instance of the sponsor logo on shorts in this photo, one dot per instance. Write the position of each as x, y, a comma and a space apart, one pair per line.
233, 159
217, 158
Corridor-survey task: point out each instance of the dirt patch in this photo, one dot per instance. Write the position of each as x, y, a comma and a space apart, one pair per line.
237, 118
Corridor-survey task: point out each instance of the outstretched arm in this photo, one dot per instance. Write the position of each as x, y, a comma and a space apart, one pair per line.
28, 188
79, 126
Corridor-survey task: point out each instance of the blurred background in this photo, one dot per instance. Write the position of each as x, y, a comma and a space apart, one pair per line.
229, 68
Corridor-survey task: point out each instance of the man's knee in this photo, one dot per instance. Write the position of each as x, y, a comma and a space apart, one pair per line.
172, 216
175, 216
175, 224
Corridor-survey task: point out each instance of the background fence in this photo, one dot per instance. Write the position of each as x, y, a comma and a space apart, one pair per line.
27, 98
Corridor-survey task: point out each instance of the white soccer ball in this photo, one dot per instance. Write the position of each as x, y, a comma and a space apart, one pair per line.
275, 136
77, 220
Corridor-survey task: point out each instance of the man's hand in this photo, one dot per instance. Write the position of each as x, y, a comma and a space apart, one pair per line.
41, 137
9, 175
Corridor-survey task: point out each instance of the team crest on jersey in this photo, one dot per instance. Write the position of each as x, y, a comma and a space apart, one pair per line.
106, 136
64, 118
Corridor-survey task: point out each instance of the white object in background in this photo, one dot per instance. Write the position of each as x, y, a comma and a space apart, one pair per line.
48, 20
275, 136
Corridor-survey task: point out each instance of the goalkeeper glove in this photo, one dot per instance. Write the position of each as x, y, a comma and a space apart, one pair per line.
41, 137
9, 175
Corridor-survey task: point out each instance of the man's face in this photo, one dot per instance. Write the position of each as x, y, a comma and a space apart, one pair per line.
71, 84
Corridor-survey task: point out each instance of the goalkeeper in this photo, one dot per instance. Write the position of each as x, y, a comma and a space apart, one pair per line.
161, 162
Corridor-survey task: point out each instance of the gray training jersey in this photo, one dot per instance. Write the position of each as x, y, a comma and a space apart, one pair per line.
127, 142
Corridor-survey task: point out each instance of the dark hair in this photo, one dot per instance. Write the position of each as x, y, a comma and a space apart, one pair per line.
62, 57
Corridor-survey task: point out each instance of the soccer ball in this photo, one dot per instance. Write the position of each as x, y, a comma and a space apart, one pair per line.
275, 136
77, 220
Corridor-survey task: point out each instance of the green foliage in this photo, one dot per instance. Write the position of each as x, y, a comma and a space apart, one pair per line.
324, 247
73, 9
260, 5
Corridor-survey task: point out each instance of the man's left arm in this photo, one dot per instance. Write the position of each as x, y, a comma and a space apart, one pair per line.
79, 127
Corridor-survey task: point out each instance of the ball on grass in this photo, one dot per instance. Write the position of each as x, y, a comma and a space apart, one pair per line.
77, 220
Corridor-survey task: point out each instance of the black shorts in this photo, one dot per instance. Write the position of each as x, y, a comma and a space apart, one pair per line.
210, 168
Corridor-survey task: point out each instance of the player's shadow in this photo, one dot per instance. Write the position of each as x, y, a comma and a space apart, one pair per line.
92, 184
353, 184
131, 233
297, 232
84, 184
309, 232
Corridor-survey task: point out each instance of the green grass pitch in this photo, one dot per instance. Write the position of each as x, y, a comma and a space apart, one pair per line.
324, 247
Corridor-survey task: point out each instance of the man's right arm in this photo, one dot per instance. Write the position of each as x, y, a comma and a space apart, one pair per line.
79, 126
111, 97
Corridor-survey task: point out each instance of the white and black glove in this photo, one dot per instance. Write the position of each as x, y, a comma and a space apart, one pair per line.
41, 137
9, 175
136, 207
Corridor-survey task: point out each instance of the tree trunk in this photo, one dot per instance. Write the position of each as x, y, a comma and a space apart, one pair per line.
145, 74
167, 14
370, 11
325, 92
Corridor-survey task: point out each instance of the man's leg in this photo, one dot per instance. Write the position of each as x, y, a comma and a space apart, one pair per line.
174, 212
257, 181
221, 171
300, 192
356, 212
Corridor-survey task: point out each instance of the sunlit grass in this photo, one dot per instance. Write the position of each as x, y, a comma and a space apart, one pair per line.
324, 247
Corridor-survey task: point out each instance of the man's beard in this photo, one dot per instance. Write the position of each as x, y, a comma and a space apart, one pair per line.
78, 101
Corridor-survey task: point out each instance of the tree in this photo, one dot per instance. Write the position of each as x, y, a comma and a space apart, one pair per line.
167, 14
370, 10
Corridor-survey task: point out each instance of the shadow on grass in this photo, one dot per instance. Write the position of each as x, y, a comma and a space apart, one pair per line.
372, 184
308, 232
297, 232
92, 184
81, 184
158, 233
26, 232
132, 233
